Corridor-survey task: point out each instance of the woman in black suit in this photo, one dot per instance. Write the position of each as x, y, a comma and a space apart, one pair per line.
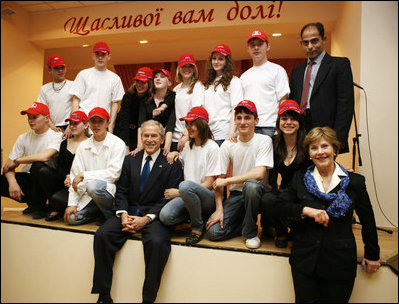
318, 204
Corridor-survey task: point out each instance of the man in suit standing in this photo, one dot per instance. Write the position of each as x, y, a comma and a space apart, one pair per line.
138, 201
323, 86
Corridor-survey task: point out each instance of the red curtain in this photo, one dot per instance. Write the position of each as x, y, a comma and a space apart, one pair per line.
127, 71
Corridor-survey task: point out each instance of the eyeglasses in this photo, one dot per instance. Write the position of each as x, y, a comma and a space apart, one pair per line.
312, 41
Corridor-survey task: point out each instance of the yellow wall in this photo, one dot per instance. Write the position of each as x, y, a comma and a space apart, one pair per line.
21, 77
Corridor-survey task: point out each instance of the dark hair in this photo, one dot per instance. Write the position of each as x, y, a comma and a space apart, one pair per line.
204, 132
194, 78
280, 148
245, 110
227, 75
132, 90
317, 25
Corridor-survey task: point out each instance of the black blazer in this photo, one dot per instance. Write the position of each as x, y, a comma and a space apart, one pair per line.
332, 98
330, 251
162, 176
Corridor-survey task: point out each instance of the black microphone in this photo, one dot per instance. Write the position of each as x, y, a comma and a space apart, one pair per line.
356, 85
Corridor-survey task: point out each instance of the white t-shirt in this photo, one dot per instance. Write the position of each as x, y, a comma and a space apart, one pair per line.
265, 85
59, 103
220, 106
98, 161
97, 88
200, 162
245, 156
31, 143
183, 103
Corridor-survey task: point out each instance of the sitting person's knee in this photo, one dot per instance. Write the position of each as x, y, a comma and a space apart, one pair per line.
215, 233
95, 187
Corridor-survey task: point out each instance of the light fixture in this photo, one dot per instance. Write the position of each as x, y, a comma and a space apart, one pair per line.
85, 45
143, 41
276, 34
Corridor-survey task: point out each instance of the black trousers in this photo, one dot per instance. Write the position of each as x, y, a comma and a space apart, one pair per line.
109, 239
24, 181
316, 289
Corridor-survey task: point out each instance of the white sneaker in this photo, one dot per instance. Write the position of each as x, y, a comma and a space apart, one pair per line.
253, 243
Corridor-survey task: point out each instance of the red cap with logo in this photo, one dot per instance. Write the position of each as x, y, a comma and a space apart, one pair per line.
144, 74
37, 108
195, 113
247, 104
100, 112
289, 105
77, 116
222, 49
186, 58
258, 34
166, 73
101, 47
54, 61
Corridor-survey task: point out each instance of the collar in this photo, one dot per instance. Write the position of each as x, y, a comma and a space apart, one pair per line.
318, 59
92, 141
335, 180
154, 156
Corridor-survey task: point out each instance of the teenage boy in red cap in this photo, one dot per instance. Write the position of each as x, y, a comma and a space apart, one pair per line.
56, 94
266, 83
95, 170
35, 149
251, 157
98, 86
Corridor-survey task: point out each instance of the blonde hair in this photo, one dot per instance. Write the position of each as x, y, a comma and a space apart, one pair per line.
322, 132
193, 81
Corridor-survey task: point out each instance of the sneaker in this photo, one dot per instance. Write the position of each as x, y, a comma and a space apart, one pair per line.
194, 238
253, 243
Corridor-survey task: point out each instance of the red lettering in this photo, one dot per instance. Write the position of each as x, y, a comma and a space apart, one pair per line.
188, 17
234, 10
138, 20
202, 15
157, 16
102, 23
145, 20
271, 6
177, 16
242, 12
128, 24
79, 29
260, 12
95, 25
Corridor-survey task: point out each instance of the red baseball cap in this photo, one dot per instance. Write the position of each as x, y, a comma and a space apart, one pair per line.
247, 104
37, 108
195, 113
144, 74
54, 61
100, 112
289, 105
77, 116
258, 34
186, 58
166, 72
101, 47
222, 49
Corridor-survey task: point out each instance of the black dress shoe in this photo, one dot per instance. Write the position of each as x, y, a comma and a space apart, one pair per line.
38, 214
54, 217
28, 210
104, 299
281, 242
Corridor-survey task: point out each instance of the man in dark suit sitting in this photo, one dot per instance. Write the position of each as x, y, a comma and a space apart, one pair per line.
138, 200
323, 86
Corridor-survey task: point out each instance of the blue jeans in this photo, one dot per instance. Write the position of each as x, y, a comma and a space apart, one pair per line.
195, 202
233, 215
265, 130
100, 205
252, 191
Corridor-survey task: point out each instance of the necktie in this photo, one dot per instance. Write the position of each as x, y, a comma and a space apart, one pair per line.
145, 173
305, 91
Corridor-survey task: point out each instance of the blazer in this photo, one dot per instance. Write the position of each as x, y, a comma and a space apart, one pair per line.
151, 200
332, 97
328, 251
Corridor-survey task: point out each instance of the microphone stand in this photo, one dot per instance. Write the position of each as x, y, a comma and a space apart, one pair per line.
356, 142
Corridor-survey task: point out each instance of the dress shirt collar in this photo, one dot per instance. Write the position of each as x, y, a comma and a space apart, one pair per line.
154, 156
318, 59
106, 142
335, 180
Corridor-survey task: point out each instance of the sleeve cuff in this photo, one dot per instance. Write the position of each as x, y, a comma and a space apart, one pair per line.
119, 212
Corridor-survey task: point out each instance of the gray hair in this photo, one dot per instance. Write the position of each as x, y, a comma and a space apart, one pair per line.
152, 122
